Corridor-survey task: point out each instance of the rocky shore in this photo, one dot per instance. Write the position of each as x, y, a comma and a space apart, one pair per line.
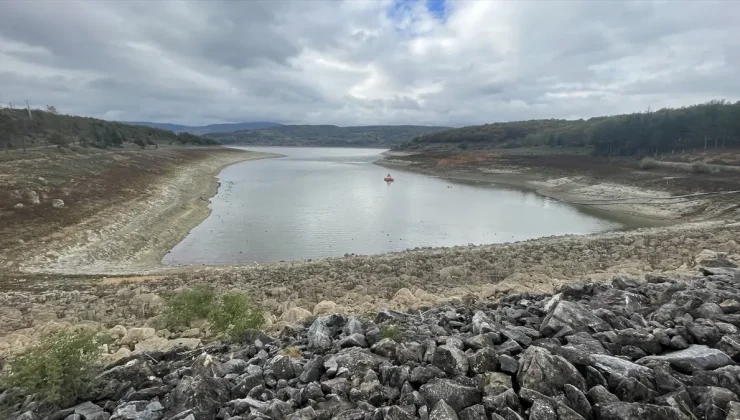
636, 347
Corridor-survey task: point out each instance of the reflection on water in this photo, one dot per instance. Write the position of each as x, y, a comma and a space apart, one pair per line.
321, 202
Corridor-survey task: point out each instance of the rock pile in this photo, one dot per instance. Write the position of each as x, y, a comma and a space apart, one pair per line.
653, 348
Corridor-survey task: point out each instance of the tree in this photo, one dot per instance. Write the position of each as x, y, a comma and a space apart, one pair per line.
51, 109
59, 140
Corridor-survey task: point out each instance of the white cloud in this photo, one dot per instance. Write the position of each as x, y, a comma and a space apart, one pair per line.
366, 62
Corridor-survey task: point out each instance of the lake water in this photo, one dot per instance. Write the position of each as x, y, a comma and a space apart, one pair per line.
323, 202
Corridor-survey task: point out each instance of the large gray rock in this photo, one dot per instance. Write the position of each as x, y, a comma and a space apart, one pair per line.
451, 360
321, 332
546, 373
637, 411
354, 359
201, 394
282, 367
457, 395
542, 410
574, 316
474, 412
442, 411
612, 365
696, 357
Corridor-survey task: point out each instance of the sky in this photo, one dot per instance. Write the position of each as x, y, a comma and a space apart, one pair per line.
360, 62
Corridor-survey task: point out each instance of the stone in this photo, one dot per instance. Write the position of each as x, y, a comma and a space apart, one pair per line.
354, 340
615, 365
733, 411
207, 365
282, 367
637, 411
312, 370
598, 395
573, 316
457, 395
321, 332
508, 364
730, 345
355, 360
545, 373
295, 314
137, 335
542, 410
442, 411
494, 383
201, 394
474, 412
578, 401
423, 374
57, 203
324, 307
451, 360
696, 357
90, 411
483, 360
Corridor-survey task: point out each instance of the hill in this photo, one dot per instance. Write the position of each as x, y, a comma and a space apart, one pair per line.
48, 128
699, 127
327, 135
205, 129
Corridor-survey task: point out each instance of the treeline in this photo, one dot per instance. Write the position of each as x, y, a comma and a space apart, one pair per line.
326, 135
18, 131
714, 124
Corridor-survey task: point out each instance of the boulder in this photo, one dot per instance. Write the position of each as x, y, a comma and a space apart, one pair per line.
322, 330
573, 316
57, 203
616, 365
543, 372
295, 314
355, 360
442, 411
696, 357
324, 307
137, 335
457, 395
451, 360
637, 411
201, 394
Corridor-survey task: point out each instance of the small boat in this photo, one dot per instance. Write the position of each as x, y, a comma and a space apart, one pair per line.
388, 179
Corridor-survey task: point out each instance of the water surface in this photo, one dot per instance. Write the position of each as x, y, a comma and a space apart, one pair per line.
323, 202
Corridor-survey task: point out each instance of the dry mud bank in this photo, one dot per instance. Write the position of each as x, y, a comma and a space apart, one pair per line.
32, 306
618, 187
126, 213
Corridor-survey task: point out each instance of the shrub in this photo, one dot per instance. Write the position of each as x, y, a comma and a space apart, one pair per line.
391, 331
185, 306
701, 168
234, 314
648, 163
60, 367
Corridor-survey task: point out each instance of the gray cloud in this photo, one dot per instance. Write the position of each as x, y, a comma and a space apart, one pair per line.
366, 62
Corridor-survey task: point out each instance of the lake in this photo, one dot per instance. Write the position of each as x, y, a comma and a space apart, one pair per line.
324, 202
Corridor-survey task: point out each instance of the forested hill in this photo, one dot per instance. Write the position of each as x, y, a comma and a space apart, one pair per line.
49, 128
711, 125
205, 129
327, 135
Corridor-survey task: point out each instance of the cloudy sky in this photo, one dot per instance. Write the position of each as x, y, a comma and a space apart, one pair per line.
366, 62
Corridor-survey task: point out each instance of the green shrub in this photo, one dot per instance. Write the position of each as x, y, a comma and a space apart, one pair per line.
60, 367
391, 331
185, 306
648, 163
234, 314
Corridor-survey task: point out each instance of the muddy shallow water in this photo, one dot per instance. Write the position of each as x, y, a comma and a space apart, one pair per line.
323, 202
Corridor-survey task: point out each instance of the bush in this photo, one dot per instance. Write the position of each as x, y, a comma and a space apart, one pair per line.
234, 314
185, 306
391, 331
701, 168
60, 368
648, 163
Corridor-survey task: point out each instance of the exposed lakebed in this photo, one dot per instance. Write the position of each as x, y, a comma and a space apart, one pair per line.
323, 202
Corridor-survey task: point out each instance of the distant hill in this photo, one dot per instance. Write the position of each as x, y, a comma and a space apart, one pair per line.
205, 129
711, 125
327, 135
45, 128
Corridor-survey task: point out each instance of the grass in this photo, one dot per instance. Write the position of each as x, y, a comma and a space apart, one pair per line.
648, 163
234, 314
230, 314
391, 331
188, 305
60, 367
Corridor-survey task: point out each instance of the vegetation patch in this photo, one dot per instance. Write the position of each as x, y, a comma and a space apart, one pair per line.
186, 306
234, 314
392, 331
60, 368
